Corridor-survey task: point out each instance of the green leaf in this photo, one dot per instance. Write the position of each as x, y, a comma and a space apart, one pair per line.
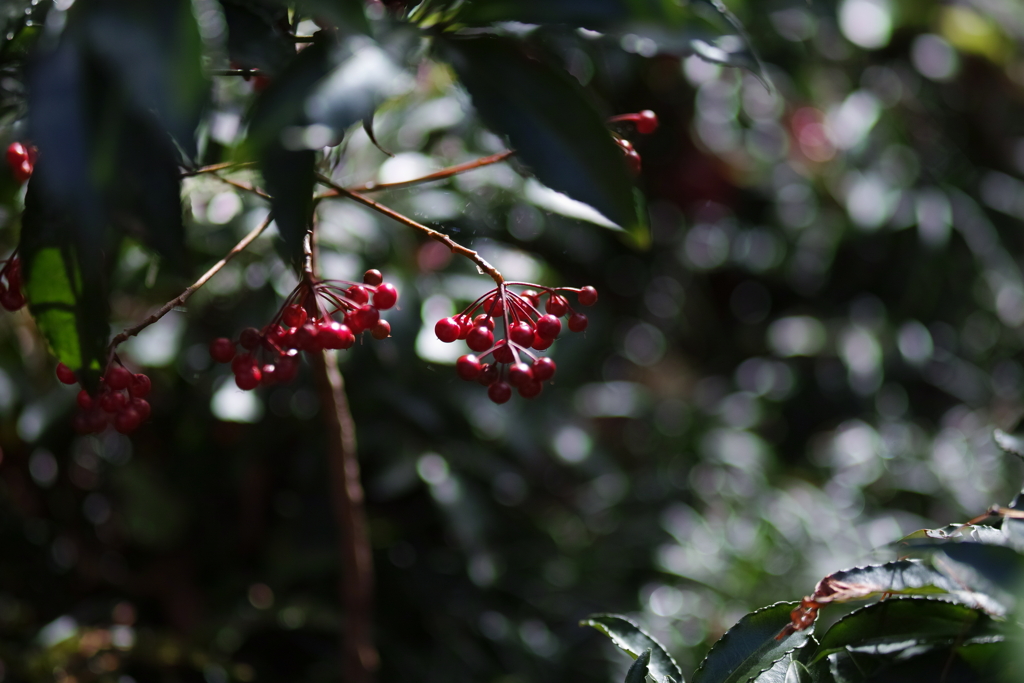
289, 178
1013, 528
909, 621
629, 637
1011, 444
969, 662
346, 15
638, 669
750, 647
552, 126
256, 38
979, 533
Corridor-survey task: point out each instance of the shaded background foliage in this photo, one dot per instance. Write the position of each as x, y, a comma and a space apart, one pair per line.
805, 365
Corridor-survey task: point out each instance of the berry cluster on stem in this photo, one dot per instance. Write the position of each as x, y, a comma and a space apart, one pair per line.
21, 159
11, 296
525, 330
306, 322
645, 122
120, 401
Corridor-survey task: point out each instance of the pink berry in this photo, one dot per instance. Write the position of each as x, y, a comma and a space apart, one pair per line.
447, 329
468, 367
385, 297
556, 305
499, 392
118, 377
65, 374
543, 369
577, 322
480, 339
548, 326
222, 350
587, 296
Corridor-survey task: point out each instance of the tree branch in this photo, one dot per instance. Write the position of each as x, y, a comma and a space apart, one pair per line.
437, 175
191, 289
454, 246
214, 168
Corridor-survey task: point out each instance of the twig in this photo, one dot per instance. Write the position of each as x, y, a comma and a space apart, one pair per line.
454, 246
356, 582
437, 175
241, 186
191, 289
214, 168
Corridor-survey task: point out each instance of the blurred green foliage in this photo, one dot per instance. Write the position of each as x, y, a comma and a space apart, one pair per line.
806, 365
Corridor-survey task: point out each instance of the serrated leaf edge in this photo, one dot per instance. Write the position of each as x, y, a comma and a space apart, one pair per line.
589, 621
726, 635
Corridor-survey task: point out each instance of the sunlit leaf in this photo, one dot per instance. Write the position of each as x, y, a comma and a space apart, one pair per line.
750, 647
629, 637
638, 669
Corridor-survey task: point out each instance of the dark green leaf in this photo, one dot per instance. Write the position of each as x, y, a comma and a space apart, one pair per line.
289, 178
1013, 528
553, 128
911, 621
638, 669
594, 13
969, 662
1009, 443
750, 647
980, 533
257, 36
346, 15
629, 637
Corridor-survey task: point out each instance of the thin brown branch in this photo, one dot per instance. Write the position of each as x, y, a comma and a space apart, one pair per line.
437, 175
241, 186
214, 168
191, 289
454, 246
356, 582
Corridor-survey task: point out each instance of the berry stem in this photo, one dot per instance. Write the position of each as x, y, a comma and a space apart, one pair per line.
437, 175
129, 332
241, 186
454, 246
214, 168
356, 582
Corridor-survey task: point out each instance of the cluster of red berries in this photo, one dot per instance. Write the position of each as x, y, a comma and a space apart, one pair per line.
524, 328
21, 159
11, 296
646, 122
306, 323
120, 401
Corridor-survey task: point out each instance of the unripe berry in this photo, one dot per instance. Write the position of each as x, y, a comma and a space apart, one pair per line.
373, 277
480, 339
468, 367
543, 369
382, 330
503, 352
65, 374
250, 338
647, 122
358, 294
293, 315
222, 350
577, 322
118, 377
385, 297
522, 333
587, 296
127, 421
140, 386
488, 374
447, 329
499, 392
530, 389
84, 400
519, 373
366, 316
113, 401
542, 343
556, 305
548, 326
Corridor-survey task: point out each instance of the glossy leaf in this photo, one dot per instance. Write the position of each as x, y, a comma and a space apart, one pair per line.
1012, 527
1009, 443
965, 662
953, 533
638, 669
750, 647
550, 123
256, 38
346, 15
289, 178
629, 637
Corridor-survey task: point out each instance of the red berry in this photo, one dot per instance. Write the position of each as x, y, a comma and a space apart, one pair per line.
127, 420
249, 378
13, 274
543, 369
382, 330
556, 305
385, 297
113, 401
19, 159
647, 122
373, 277
306, 338
480, 339
334, 335
250, 338
260, 82
624, 144
634, 162
548, 326
222, 350
519, 374
465, 324
499, 392
293, 315
532, 297
80, 423
447, 329
485, 320
530, 389
587, 296
141, 406
468, 367
65, 374
503, 352
493, 306
84, 400
140, 386
522, 334
97, 421
542, 343
12, 299
366, 316
488, 374
287, 367
358, 294
577, 322
242, 363
118, 377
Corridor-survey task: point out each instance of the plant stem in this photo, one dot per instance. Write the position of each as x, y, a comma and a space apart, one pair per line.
437, 175
444, 239
214, 168
191, 289
356, 583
